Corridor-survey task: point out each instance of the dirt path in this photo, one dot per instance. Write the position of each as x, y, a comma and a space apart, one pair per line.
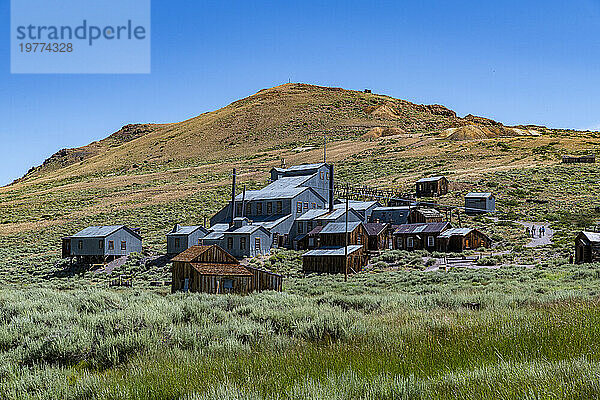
538, 240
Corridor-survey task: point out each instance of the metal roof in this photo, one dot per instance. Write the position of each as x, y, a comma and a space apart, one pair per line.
266, 194
357, 205
429, 212
246, 229
214, 236
398, 208
303, 167
219, 227
430, 179
479, 195
592, 236
312, 214
186, 230
99, 231
374, 228
432, 227
288, 181
333, 251
456, 232
340, 227
270, 221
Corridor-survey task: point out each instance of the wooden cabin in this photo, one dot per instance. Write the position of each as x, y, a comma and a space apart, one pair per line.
419, 236
210, 269
587, 247
479, 203
581, 159
310, 240
425, 216
457, 240
334, 235
334, 260
432, 187
379, 236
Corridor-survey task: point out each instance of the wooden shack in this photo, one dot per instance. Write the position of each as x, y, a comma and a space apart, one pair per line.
425, 216
587, 247
457, 240
379, 236
581, 159
210, 269
419, 236
334, 235
310, 240
479, 203
432, 187
334, 260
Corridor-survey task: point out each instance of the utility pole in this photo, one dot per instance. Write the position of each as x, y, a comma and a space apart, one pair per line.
346, 237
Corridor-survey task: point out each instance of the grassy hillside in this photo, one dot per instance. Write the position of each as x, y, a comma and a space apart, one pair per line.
392, 332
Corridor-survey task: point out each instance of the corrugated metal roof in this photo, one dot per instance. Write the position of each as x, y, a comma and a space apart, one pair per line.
429, 212
374, 228
312, 214
340, 227
283, 193
592, 236
219, 227
287, 181
479, 195
214, 236
97, 231
357, 205
269, 223
456, 232
432, 227
430, 179
334, 251
303, 167
186, 230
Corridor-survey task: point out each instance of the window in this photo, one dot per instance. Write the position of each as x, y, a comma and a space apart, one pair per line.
228, 284
257, 243
327, 175
309, 226
300, 227
186, 285
242, 243
238, 210
299, 207
314, 205
111, 245
269, 208
177, 243
199, 242
400, 243
430, 241
410, 242
279, 207
80, 245
101, 244
359, 239
322, 175
247, 209
230, 243
258, 208
275, 239
123, 245
306, 206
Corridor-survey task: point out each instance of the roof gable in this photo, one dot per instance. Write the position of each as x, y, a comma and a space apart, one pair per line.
212, 254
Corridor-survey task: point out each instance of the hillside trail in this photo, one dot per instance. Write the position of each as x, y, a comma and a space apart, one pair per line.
536, 240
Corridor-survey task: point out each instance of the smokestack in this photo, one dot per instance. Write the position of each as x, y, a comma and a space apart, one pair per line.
233, 198
331, 188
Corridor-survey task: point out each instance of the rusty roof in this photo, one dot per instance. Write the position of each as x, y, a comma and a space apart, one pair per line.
221, 269
374, 228
191, 253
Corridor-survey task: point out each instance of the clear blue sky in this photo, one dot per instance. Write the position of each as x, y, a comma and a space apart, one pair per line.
513, 61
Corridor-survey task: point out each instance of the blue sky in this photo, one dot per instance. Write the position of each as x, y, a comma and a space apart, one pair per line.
513, 61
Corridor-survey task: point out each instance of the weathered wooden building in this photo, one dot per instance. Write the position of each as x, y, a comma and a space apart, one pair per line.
380, 236
334, 235
183, 237
587, 247
432, 187
334, 260
210, 269
480, 203
422, 236
425, 216
456, 240
102, 243
309, 240
313, 218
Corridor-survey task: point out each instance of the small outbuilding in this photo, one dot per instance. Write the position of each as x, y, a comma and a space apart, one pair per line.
480, 203
587, 247
432, 187
183, 237
210, 269
333, 260
102, 243
379, 236
457, 240
587, 159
